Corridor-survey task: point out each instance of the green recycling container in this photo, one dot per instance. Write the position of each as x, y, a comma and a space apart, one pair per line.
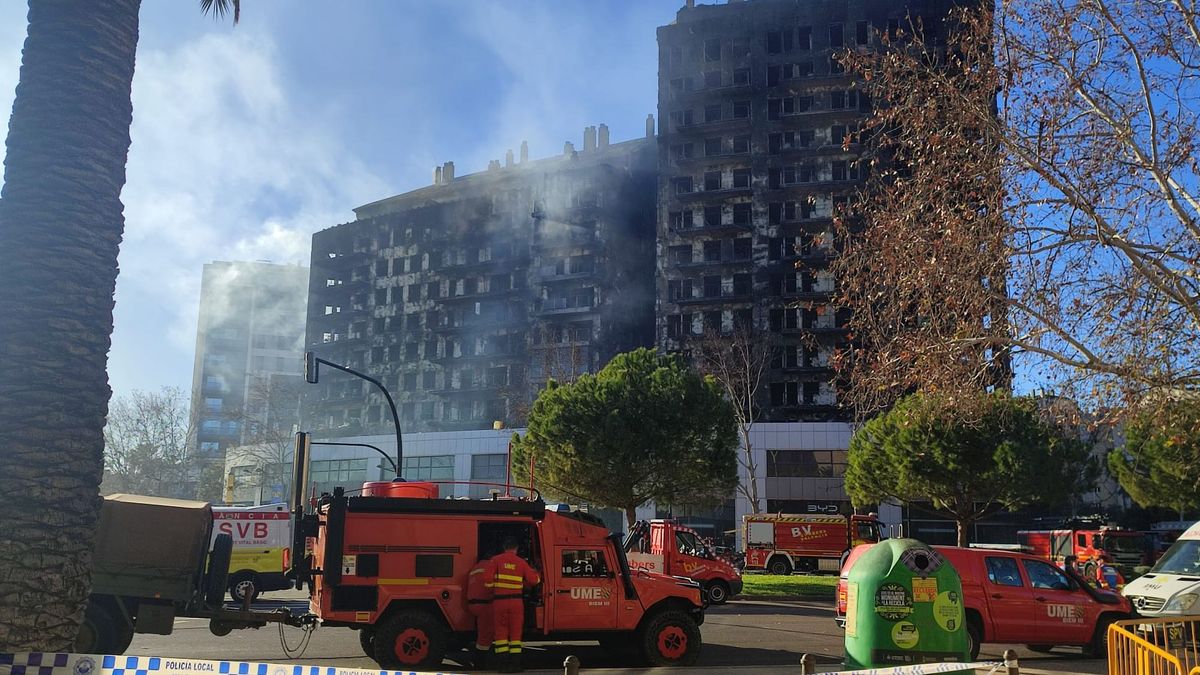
904, 605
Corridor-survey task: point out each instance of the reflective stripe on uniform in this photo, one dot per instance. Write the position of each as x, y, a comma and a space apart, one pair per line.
515, 587
501, 646
509, 577
477, 570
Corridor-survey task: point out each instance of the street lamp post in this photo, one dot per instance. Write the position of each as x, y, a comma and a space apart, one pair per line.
312, 364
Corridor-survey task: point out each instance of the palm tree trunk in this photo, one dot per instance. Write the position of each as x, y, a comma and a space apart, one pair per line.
61, 223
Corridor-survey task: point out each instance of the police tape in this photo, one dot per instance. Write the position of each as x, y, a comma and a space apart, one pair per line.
925, 668
46, 663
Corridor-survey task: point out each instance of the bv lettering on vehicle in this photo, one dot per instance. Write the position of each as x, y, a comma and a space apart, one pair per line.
1065, 613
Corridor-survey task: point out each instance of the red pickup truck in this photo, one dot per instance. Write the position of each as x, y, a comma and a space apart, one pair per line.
1013, 597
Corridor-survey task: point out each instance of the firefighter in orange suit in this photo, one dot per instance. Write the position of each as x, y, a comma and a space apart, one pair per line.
479, 603
510, 576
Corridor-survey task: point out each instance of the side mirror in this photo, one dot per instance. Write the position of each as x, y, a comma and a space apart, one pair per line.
310, 367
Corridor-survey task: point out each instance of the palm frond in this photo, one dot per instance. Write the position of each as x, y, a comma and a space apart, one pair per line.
220, 8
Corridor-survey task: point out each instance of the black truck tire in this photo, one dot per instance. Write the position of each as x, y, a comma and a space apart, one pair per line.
671, 638
244, 584
974, 637
410, 639
103, 631
779, 565
718, 592
366, 639
217, 578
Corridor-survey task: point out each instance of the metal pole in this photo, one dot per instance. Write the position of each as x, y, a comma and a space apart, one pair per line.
571, 666
1010, 663
808, 664
391, 405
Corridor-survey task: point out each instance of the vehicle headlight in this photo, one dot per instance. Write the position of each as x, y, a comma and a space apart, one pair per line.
1181, 603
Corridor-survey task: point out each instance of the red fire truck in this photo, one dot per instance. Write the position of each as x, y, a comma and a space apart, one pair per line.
393, 562
666, 547
1125, 549
785, 543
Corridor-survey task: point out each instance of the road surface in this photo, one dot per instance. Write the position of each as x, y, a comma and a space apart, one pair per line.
742, 636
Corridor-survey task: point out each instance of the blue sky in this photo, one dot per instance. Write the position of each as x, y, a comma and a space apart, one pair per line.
248, 139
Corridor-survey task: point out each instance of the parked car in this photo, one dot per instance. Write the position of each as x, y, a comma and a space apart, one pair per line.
1013, 597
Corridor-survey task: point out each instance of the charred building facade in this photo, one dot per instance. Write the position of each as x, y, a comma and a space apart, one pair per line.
465, 296
754, 159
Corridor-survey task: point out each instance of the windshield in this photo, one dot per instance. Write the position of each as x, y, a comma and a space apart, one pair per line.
1182, 558
1134, 544
688, 544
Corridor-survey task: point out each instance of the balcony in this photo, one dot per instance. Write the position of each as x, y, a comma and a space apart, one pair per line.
565, 311
719, 193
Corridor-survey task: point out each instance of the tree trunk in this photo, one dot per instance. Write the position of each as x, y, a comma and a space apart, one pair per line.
964, 531
61, 224
630, 516
751, 469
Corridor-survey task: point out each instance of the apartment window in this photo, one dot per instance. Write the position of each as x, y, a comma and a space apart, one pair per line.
838, 170
835, 36
741, 109
681, 84
676, 55
681, 220
712, 113
712, 180
683, 185
837, 100
774, 42
837, 134
774, 75
676, 289
432, 290
712, 251
680, 255
682, 118
429, 380
408, 381
741, 144
674, 326
893, 28
741, 214
682, 151
861, 33
431, 349
712, 50
743, 319
427, 410
741, 178
804, 37
741, 284
835, 65
712, 321
712, 286
803, 69
741, 77
434, 467
712, 147
381, 268
741, 248
712, 216
812, 390
712, 79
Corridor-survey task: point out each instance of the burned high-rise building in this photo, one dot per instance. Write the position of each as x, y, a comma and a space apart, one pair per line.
754, 159
465, 296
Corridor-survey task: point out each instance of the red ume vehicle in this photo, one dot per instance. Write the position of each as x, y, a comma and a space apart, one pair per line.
1013, 597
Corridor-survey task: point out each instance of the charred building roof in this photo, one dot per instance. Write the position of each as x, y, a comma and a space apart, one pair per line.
466, 295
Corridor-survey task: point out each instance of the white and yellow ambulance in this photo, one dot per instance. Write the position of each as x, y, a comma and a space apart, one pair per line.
262, 538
